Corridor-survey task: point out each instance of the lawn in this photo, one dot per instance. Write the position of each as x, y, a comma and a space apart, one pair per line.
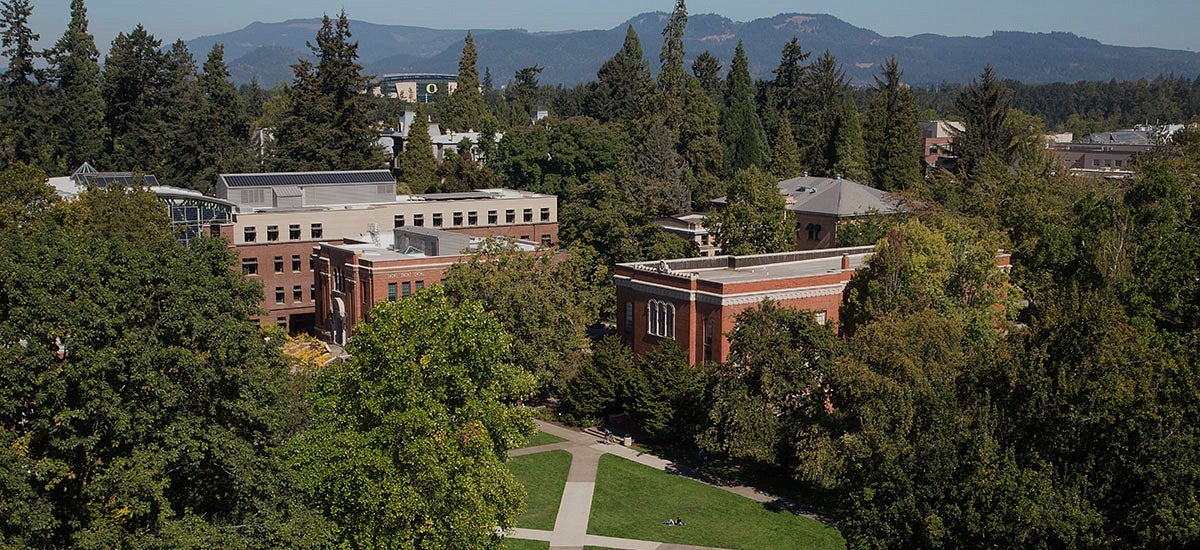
521, 544
543, 475
633, 501
541, 438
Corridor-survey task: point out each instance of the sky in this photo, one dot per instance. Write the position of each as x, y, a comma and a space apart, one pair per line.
1157, 23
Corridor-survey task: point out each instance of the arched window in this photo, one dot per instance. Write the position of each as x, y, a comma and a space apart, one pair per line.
661, 319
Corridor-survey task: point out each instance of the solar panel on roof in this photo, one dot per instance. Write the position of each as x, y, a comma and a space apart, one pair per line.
365, 177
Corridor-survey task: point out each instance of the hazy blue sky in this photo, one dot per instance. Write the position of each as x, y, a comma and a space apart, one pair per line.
1160, 23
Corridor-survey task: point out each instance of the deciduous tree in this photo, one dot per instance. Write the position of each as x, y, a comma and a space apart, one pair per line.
754, 220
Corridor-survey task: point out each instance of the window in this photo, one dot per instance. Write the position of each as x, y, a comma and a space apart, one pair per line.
278, 264
545, 214
510, 216
312, 293
419, 285
1108, 162
295, 263
819, 317
406, 288
279, 295
628, 316
708, 339
662, 319
248, 233
814, 231
472, 218
398, 220
419, 220
437, 219
315, 231
528, 215
492, 217
391, 292
1095, 162
294, 231
272, 232
250, 266
458, 218
1119, 162
339, 280
546, 240
281, 322
297, 293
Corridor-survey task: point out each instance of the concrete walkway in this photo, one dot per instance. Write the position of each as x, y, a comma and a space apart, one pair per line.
586, 448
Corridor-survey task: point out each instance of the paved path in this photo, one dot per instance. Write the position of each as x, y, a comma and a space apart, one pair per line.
586, 448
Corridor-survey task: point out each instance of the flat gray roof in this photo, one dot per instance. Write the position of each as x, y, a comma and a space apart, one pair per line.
763, 267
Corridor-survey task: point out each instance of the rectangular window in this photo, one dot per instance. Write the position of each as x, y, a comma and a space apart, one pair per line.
819, 317
419, 285
510, 216
1119, 163
458, 219
528, 215
294, 231
272, 232
1108, 162
296, 263
278, 264
437, 219
281, 322
628, 316
279, 295
472, 218
250, 266
316, 231
708, 339
312, 293
1095, 162
248, 234
492, 217
398, 220
545, 214
419, 220
546, 240
392, 292
662, 319
406, 289
297, 293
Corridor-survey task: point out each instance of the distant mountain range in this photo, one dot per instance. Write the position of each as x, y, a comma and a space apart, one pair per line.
266, 50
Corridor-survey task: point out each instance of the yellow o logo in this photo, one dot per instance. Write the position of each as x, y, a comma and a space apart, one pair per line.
431, 88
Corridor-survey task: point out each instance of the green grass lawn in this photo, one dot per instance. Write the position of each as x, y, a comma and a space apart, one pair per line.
543, 475
633, 501
521, 544
541, 438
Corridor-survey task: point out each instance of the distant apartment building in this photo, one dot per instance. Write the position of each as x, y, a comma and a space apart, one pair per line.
1099, 160
282, 218
937, 140
690, 227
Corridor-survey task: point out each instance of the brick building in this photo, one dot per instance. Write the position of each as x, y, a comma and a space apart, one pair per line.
350, 278
821, 206
694, 301
282, 218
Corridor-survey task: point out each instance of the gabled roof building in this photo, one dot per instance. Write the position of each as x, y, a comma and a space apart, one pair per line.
819, 206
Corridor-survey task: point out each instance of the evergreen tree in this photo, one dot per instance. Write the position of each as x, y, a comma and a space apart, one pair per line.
524, 94
326, 126
623, 84
179, 108
755, 219
418, 168
658, 174
135, 83
707, 68
222, 142
699, 144
826, 90
672, 83
849, 147
785, 155
22, 87
892, 135
742, 134
788, 91
987, 138
465, 110
78, 107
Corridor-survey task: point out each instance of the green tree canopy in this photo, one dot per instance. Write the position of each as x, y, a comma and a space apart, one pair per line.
755, 218
742, 133
464, 110
408, 438
418, 168
623, 84
892, 136
78, 111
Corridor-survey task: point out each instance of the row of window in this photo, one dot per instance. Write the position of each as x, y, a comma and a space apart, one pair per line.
250, 265
250, 232
297, 294
472, 218
1108, 162
403, 289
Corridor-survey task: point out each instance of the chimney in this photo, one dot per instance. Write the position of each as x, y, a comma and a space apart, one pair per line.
845, 262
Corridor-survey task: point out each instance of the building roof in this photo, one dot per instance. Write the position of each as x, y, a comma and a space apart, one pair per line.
835, 197
761, 267
285, 179
1120, 137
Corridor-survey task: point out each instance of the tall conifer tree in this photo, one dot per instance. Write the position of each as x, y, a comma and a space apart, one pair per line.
672, 83
987, 137
22, 86
825, 90
418, 168
707, 68
78, 107
465, 109
742, 134
699, 144
849, 148
785, 154
623, 83
136, 79
892, 135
